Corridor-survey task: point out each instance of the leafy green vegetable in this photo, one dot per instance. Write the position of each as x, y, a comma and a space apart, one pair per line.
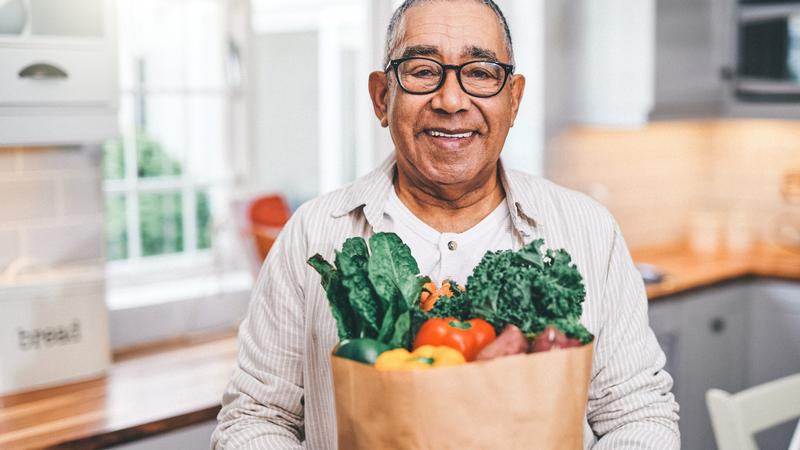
392, 269
337, 296
372, 290
351, 263
530, 288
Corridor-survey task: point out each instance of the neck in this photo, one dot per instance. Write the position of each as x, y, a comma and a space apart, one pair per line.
451, 209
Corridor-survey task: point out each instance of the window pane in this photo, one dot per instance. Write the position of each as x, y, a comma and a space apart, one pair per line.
161, 135
205, 122
116, 228
154, 160
171, 44
151, 43
205, 43
113, 160
204, 225
161, 222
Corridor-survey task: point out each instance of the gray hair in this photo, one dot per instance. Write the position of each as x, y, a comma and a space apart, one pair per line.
393, 32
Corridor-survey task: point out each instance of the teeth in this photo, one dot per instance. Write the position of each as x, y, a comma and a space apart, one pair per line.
458, 135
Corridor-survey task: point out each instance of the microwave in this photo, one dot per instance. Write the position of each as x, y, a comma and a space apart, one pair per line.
768, 51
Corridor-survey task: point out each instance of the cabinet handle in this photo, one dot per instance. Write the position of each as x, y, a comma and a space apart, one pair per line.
42, 71
718, 325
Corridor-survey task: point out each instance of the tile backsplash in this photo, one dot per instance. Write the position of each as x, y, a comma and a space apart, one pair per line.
656, 180
52, 206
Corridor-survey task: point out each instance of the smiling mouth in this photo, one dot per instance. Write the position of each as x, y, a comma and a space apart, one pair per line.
455, 134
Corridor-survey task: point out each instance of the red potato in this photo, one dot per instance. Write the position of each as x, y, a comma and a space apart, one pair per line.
551, 339
510, 342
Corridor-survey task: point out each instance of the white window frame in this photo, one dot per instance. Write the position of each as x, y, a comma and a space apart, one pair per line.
131, 186
166, 296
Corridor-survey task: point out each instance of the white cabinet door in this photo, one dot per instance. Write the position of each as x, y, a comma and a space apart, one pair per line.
666, 320
775, 331
58, 77
702, 334
190, 438
691, 50
774, 344
713, 355
599, 61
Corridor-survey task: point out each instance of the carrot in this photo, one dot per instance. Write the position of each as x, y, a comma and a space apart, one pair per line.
430, 294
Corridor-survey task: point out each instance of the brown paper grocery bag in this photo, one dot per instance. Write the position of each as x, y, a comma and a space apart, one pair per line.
533, 401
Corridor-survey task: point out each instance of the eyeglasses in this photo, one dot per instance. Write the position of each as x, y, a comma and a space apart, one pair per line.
421, 76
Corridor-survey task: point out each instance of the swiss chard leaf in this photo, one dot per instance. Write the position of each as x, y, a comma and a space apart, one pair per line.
401, 336
393, 270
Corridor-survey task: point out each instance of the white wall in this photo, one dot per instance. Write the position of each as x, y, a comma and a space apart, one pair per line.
524, 148
285, 123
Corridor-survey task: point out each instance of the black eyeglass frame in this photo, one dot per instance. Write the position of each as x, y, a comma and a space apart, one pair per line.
395, 63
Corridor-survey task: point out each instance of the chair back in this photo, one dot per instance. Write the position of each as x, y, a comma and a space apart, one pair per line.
268, 215
269, 211
737, 417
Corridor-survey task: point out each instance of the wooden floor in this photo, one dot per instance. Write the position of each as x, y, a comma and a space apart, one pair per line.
145, 393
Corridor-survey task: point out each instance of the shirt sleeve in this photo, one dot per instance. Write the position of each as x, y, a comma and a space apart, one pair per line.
631, 405
262, 407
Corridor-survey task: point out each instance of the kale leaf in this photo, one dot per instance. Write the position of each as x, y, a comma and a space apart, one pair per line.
530, 288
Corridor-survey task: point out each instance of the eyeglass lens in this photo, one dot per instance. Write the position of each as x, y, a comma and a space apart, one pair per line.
422, 76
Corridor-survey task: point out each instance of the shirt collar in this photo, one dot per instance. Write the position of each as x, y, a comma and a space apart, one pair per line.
372, 191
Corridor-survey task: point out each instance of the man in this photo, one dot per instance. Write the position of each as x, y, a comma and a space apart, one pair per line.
448, 96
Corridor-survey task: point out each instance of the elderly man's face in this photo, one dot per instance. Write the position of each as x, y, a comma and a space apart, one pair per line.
451, 33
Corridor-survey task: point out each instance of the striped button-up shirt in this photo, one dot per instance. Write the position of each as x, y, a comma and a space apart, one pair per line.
280, 395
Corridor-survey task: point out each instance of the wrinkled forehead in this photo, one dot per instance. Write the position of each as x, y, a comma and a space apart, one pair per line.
452, 31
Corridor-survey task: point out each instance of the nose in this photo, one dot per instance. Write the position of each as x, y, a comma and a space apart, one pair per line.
450, 98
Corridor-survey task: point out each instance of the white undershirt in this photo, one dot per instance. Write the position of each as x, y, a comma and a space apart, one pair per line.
448, 255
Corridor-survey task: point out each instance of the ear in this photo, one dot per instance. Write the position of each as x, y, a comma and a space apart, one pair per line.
379, 93
517, 90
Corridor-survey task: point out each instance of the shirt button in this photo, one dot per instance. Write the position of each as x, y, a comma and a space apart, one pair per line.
452, 245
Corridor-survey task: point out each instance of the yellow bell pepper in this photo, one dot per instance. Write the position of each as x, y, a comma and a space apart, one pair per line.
424, 357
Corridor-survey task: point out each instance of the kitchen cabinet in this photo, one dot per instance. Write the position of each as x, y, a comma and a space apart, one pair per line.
599, 61
624, 64
196, 436
703, 341
692, 46
732, 336
58, 76
774, 344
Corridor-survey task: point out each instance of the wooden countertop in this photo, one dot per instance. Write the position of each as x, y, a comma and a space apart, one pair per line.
145, 393
185, 380
685, 270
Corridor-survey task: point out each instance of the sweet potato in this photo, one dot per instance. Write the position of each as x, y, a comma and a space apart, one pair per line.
510, 342
551, 339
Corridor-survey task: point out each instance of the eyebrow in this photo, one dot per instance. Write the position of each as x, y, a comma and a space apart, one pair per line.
420, 50
471, 51
480, 53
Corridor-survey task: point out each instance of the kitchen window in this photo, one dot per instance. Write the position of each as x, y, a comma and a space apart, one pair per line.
168, 175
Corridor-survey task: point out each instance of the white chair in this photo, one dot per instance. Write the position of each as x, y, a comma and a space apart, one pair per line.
737, 417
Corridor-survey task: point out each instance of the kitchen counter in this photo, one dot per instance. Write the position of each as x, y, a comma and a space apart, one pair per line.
686, 270
185, 380
148, 391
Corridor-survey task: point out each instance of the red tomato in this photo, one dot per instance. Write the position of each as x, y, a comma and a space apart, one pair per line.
468, 337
